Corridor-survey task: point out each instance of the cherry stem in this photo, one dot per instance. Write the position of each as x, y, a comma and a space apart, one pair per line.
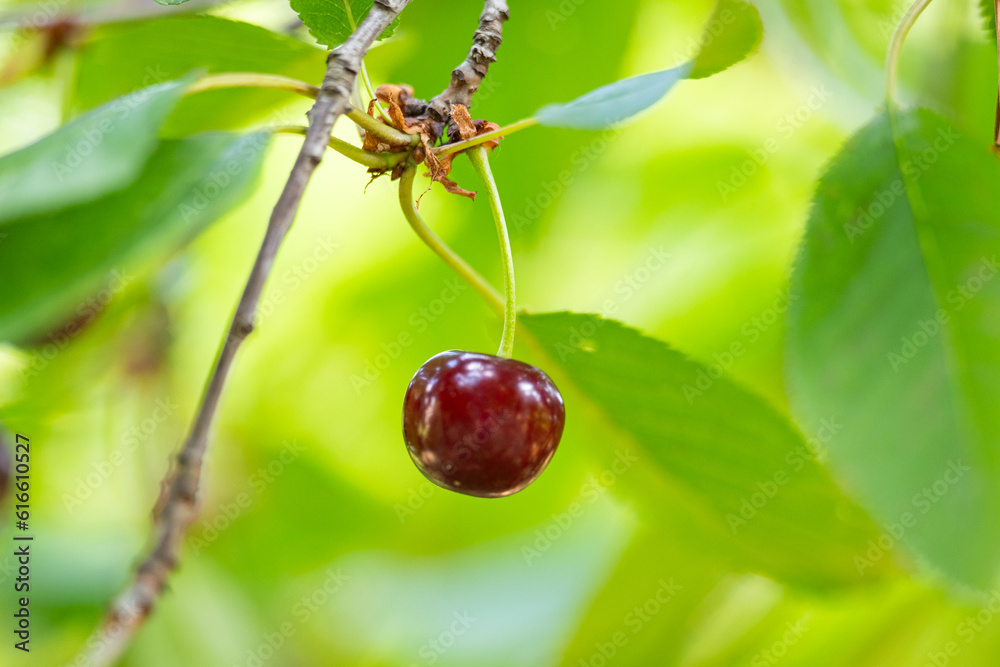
364, 70
384, 132
896, 46
450, 257
481, 161
477, 140
252, 80
371, 92
362, 157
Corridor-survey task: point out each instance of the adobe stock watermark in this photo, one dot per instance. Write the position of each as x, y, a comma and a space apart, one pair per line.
888, 26
466, 448
590, 492
922, 503
966, 632
752, 330
227, 513
301, 613
637, 619
913, 169
419, 321
295, 276
433, 649
104, 469
776, 652
795, 460
217, 181
580, 337
86, 311
43, 15
957, 299
563, 11
108, 633
784, 129
89, 138
580, 161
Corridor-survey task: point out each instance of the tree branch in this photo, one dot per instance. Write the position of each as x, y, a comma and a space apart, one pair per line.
465, 78
179, 508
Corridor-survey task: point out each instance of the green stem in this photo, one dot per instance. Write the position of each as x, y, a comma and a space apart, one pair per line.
371, 92
362, 157
483, 138
458, 265
896, 46
364, 70
253, 80
275, 82
481, 161
384, 132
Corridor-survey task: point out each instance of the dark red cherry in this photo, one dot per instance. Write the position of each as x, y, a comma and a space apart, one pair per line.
481, 425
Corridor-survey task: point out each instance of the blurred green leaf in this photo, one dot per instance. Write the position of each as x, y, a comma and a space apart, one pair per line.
51, 264
144, 52
850, 41
894, 332
613, 103
733, 32
740, 462
398, 609
331, 22
988, 10
659, 583
98, 153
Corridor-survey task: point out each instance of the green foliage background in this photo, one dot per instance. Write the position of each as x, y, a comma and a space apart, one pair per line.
320, 543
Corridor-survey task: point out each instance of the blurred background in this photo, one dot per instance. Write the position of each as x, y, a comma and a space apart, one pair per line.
319, 543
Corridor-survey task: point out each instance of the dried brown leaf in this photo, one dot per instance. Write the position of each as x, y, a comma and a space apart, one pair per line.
463, 121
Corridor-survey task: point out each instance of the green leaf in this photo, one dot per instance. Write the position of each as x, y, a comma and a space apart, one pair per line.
331, 22
987, 10
144, 52
52, 264
732, 33
171, 3
894, 332
614, 103
94, 155
742, 465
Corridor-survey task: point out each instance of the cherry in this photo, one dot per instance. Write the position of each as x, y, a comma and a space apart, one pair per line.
481, 425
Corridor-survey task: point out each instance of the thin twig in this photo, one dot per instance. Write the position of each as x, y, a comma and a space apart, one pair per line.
465, 78
179, 509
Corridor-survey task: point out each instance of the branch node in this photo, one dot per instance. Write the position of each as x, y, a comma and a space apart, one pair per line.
465, 78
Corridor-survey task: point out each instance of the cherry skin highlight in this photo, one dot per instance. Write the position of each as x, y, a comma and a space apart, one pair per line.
481, 425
